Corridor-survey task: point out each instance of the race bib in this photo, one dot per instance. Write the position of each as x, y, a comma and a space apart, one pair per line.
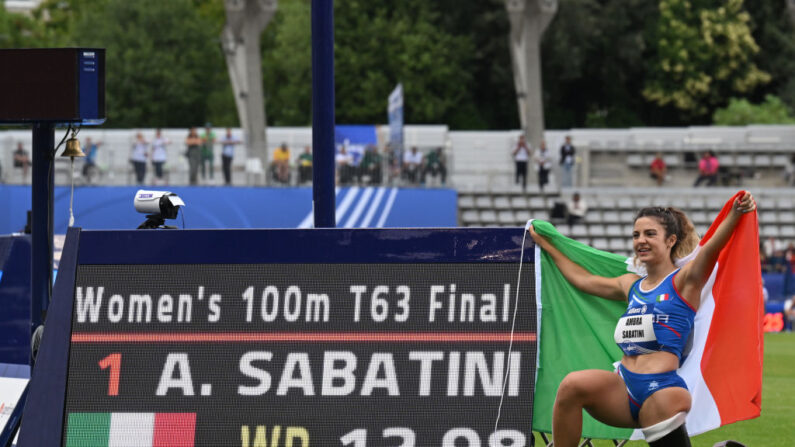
635, 329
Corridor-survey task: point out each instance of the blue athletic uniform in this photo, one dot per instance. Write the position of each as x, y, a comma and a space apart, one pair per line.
656, 320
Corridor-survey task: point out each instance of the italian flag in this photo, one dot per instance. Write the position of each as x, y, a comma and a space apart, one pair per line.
724, 368
130, 429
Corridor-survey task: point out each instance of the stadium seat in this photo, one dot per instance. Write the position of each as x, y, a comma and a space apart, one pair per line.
537, 203
766, 231
768, 217
600, 244
522, 215
593, 216
696, 202
611, 216
625, 203
506, 217
255, 173
617, 245
605, 203
579, 231
787, 231
470, 217
483, 202
627, 216
635, 160
679, 202
488, 217
466, 202
762, 161
785, 203
519, 202
743, 161
502, 203
596, 230
614, 230
699, 217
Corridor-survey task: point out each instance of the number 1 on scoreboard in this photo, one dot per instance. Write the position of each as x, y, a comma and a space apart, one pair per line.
114, 362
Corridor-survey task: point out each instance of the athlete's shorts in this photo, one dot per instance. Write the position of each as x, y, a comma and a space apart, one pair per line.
641, 386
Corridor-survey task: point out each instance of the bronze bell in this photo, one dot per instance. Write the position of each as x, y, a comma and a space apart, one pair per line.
73, 148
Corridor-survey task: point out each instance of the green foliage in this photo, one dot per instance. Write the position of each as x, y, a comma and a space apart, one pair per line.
594, 63
741, 112
377, 45
20, 31
162, 61
773, 30
704, 54
287, 65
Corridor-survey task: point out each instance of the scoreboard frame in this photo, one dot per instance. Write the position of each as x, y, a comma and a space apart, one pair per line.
46, 402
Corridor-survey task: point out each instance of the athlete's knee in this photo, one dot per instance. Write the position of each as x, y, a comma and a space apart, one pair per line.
573, 387
668, 433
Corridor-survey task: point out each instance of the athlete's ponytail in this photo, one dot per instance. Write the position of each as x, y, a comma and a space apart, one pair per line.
675, 222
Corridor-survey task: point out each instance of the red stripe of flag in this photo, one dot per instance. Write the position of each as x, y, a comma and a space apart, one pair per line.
731, 364
174, 429
193, 337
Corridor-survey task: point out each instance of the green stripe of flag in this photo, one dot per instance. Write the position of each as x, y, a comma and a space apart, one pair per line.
88, 429
576, 330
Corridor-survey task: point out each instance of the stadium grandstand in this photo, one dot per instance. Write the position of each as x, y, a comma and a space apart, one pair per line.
611, 173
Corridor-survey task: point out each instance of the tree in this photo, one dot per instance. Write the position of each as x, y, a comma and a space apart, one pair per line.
21, 31
740, 112
773, 31
162, 60
704, 54
595, 56
377, 45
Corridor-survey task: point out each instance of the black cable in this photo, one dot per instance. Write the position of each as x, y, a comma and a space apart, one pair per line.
54, 151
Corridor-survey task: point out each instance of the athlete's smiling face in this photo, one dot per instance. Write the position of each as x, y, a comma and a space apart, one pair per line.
650, 242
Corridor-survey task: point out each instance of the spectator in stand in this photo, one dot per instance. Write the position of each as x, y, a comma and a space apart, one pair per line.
392, 162
789, 256
208, 149
371, 165
777, 263
305, 166
228, 154
138, 157
280, 166
543, 162
567, 160
90, 162
435, 165
521, 155
412, 164
707, 169
344, 162
576, 209
159, 155
193, 152
658, 169
770, 245
22, 160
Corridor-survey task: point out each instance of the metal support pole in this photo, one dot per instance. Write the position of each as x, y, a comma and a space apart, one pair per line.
41, 222
323, 113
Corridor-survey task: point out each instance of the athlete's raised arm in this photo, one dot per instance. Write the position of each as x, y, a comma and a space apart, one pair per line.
694, 274
609, 288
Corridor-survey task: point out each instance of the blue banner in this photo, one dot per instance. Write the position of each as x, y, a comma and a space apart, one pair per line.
395, 113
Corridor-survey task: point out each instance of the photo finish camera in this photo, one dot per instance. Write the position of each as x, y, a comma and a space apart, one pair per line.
158, 206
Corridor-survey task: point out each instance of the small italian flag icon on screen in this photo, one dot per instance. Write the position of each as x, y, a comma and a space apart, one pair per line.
130, 429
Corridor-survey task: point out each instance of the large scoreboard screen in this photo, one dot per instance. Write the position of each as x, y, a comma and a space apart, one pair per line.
293, 338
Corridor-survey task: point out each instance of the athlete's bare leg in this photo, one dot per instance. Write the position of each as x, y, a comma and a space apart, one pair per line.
664, 404
601, 393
